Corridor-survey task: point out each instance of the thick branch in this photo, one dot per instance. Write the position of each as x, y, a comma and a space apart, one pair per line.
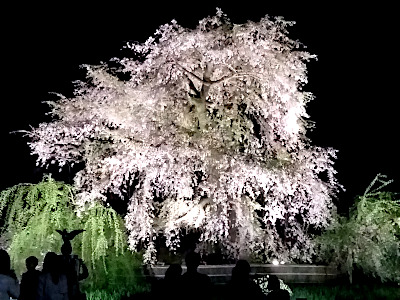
206, 80
190, 73
198, 98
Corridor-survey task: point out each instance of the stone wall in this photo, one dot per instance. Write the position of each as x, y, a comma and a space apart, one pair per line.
290, 273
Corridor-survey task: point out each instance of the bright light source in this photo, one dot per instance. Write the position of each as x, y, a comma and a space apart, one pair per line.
275, 262
282, 262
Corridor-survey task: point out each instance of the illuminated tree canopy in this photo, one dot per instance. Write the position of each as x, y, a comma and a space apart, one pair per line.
207, 129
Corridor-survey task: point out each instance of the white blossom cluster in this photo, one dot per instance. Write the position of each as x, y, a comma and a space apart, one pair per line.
263, 284
211, 121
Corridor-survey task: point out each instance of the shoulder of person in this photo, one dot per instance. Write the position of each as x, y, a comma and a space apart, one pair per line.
6, 278
44, 275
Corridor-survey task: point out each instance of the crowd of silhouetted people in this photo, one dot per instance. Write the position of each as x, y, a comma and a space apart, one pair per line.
195, 285
58, 280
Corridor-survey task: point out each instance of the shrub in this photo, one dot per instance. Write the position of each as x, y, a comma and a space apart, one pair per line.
370, 238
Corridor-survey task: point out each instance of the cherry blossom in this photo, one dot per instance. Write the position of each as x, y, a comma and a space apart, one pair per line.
208, 131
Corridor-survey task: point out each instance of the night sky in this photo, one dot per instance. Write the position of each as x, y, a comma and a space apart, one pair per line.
355, 79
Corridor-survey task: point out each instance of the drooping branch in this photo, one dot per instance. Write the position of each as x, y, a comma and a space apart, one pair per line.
168, 129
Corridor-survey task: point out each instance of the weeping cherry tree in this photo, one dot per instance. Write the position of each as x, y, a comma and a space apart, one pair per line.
200, 129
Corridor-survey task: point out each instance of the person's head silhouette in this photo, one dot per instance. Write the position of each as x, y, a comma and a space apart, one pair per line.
273, 283
173, 272
50, 262
276, 292
31, 262
66, 249
192, 260
51, 265
241, 271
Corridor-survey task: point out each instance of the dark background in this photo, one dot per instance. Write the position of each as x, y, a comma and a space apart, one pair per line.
355, 79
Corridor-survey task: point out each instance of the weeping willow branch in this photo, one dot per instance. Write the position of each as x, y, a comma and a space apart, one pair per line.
33, 212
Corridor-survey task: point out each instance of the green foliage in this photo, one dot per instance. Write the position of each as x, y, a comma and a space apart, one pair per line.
123, 273
116, 272
104, 295
103, 228
48, 204
332, 292
33, 212
370, 237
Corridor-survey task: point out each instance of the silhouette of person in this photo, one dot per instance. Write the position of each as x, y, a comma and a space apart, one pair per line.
75, 270
170, 287
194, 284
30, 279
52, 282
241, 286
9, 286
276, 292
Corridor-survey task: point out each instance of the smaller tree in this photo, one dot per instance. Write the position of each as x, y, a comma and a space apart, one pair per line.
46, 206
33, 212
370, 238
